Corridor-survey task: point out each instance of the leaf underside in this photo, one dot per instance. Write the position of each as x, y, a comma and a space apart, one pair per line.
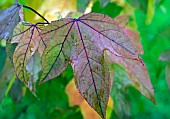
9, 18
82, 43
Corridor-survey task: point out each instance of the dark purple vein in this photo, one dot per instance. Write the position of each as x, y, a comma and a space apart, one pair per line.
59, 52
32, 32
10, 20
106, 37
58, 27
95, 88
97, 21
22, 31
40, 37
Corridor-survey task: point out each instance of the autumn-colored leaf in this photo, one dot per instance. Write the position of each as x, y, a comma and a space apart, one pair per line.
138, 74
9, 18
82, 41
28, 39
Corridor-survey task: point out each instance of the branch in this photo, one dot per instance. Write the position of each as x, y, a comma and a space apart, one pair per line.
36, 13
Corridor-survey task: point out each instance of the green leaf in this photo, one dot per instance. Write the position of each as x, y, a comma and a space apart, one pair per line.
140, 4
5, 79
119, 91
82, 4
108, 9
16, 91
10, 48
56, 56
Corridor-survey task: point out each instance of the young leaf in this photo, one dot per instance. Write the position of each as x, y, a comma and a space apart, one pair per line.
28, 39
82, 41
9, 18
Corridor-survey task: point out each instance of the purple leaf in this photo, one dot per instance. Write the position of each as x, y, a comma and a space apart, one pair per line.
138, 74
9, 18
82, 42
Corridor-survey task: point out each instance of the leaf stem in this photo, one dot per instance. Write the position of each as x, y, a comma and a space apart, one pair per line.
36, 13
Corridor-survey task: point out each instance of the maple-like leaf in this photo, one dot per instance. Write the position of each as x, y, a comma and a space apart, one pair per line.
28, 39
9, 18
82, 42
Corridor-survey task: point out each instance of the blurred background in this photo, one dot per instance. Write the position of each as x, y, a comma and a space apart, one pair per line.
59, 99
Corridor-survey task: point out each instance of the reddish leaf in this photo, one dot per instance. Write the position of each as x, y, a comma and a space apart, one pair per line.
9, 18
28, 39
137, 73
82, 41
122, 20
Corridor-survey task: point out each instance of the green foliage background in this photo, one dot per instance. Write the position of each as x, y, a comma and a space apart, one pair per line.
152, 20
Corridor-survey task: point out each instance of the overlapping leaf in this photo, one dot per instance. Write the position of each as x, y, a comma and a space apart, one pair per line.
82, 41
56, 56
9, 18
28, 39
